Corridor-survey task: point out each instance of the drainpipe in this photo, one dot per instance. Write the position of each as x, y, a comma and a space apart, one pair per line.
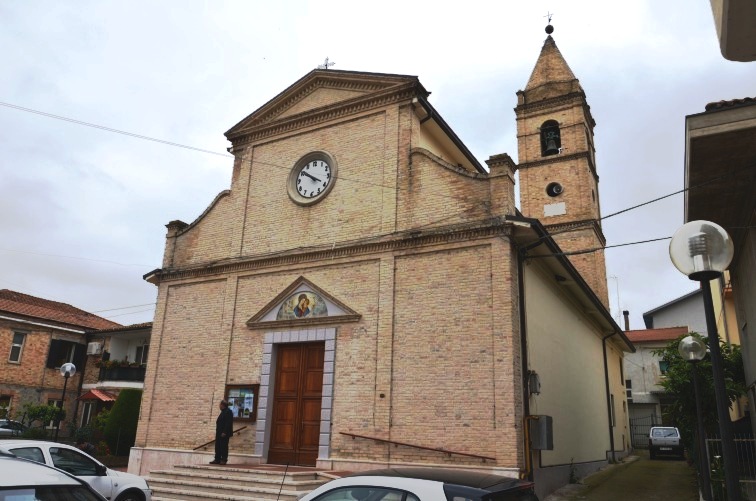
528, 473
608, 395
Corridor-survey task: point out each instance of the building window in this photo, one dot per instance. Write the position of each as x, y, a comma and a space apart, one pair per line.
5, 402
141, 354
17, 346
614, 412
622, 371
62, 352
56, 403
663, 367
551, 141
242, 400
87, 413
629, 390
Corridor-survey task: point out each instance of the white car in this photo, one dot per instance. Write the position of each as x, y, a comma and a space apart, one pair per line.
24, 480
423, 484
111, 484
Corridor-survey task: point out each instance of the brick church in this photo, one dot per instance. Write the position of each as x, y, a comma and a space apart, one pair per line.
366, 294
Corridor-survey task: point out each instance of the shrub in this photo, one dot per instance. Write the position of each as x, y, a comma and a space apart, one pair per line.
120, 430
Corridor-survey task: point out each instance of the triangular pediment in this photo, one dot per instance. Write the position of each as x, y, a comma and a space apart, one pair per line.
302, 304
321, 90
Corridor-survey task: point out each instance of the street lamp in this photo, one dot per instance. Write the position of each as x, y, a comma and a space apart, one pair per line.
702, 250
693, 350
66, 370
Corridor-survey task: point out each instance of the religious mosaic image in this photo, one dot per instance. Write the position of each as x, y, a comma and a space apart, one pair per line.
300, 305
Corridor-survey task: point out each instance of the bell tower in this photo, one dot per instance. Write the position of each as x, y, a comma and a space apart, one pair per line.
557, 163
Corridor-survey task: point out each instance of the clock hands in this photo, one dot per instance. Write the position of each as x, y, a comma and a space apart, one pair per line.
311, 177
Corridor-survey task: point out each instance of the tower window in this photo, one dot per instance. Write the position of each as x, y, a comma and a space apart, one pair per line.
551, 141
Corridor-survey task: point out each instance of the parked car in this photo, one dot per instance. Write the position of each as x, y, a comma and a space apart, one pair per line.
115, 485
665, 440
21, 479
423, 484
9, 428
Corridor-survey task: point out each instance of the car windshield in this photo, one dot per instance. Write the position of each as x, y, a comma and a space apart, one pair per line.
48, 493
665, 432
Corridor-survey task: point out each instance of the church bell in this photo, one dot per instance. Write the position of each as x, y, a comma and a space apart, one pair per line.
551, 147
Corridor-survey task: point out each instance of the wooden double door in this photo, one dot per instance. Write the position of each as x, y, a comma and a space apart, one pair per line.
297, 394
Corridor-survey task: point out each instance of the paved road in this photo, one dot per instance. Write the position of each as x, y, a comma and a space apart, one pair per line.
639, 480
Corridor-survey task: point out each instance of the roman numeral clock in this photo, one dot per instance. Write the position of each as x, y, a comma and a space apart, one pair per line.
312, 178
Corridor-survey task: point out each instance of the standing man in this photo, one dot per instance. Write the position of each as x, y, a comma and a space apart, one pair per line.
224, 428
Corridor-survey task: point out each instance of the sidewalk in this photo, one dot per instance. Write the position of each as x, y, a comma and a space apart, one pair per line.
637, 478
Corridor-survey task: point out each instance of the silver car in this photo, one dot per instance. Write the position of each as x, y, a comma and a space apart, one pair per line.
111, 484
9, 428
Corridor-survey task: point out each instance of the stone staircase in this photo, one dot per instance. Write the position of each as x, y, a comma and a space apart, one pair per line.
233, 483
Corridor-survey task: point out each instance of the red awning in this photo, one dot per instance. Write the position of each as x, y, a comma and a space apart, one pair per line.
98, 395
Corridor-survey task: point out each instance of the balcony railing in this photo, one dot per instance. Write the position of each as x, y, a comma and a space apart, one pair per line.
122, 373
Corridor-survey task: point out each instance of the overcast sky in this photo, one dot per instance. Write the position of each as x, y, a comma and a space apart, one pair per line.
83, 210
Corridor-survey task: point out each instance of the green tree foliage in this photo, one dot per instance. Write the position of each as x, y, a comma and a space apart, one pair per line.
120, 430
678, 382
37, 417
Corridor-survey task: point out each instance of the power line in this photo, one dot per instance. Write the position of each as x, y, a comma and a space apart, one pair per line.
110, 129
130, 313
74, 257
346, 179
124, 307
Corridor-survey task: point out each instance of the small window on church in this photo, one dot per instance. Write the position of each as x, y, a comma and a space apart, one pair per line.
551, 141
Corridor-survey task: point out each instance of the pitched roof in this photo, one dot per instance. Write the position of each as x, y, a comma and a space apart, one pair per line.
35, 307
647, 335
550, 67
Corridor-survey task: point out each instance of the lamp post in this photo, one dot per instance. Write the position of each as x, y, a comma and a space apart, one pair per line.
702, 250
693, 350
66, 370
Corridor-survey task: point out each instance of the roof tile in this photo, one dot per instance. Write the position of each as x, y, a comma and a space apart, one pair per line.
35, 307
665, 334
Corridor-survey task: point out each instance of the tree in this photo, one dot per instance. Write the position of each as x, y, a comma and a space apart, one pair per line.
42, 415
678, 382
120, 429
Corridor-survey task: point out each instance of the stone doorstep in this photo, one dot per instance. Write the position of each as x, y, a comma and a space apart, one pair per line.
231, 478
210, 490
235, 482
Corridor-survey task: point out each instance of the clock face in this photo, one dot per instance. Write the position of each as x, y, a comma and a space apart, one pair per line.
313, 178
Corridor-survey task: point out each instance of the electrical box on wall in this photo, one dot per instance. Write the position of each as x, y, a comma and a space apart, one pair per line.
542, 433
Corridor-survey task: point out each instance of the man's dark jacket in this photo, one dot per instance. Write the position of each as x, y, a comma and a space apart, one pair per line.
224, 423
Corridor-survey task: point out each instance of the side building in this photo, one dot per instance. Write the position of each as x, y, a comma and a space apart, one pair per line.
39, 336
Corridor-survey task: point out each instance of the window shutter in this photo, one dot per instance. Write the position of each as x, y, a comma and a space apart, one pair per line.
56, 354
80, 356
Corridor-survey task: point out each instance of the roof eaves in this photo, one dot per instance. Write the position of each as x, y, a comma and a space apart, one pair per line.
564, 261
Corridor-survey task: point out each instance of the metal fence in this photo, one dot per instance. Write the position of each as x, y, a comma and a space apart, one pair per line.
745, 451
640, 428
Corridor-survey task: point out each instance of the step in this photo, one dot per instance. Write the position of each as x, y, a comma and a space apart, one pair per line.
236, 483
234, 478
246, 490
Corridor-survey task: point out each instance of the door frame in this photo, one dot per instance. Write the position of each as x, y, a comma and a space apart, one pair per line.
267, 376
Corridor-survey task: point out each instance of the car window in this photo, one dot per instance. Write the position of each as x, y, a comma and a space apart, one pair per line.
355, 493
48, 493
33, 453
72, 462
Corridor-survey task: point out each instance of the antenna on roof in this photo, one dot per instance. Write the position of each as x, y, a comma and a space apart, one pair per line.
325, 64
549, 28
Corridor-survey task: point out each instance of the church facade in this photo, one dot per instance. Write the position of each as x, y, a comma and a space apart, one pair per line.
367, 294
